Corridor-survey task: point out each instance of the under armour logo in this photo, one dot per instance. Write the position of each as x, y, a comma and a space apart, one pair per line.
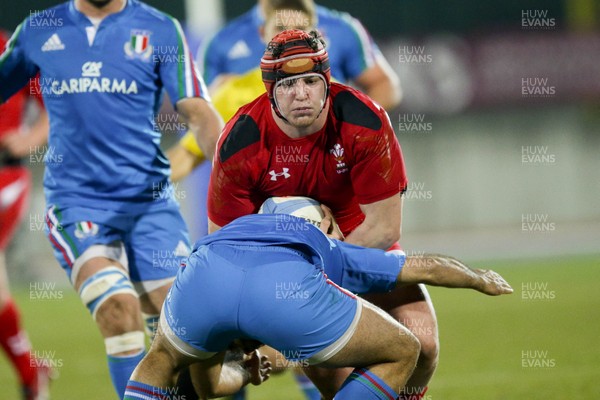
274, 174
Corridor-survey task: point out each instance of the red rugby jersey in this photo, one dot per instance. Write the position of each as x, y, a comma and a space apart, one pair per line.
354, 159
12, 111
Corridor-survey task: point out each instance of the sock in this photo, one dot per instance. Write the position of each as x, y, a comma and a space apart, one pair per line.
241, 395
121, 368
15, 343
308, 388
141, 391
413, 396
362, 384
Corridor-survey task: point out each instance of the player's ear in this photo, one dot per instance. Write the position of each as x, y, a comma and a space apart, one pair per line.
261, 33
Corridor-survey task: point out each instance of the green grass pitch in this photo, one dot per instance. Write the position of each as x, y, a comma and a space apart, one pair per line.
538, 343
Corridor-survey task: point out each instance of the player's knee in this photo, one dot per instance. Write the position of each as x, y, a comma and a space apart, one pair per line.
111, 299
125, 343
119, 313
429, 351
409, 348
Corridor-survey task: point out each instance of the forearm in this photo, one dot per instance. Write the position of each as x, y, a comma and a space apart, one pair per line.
372, 236
233, 377
206, 131
229, 378
38, 134
203, 121
439, 270
182, 162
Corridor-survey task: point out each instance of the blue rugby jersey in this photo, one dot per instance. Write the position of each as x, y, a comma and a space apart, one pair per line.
358, 269
102, 93
238, 47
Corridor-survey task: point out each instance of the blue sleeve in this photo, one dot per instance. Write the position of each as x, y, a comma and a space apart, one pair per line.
361, 52
363, 270
16, 69
210, 57
179, 74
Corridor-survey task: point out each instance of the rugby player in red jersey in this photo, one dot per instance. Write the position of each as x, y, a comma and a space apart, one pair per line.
15, 185
309, 137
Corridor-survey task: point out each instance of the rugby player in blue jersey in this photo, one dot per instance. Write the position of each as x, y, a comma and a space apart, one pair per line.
259, 280
354, 57
112, 217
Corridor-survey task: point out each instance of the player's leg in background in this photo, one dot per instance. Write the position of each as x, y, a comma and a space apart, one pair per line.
412, 306
33, 374
105, 288
384, 353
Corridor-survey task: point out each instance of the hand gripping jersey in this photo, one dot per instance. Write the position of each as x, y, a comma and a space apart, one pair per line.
102, 88
238, 47
354, 159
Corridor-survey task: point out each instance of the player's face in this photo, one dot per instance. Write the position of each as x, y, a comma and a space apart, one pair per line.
301, 99
281, 20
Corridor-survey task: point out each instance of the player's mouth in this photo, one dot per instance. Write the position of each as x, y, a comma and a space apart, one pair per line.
302, 110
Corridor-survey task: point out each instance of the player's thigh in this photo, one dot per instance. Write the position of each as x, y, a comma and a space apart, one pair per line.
82, 246
15, 186
411, 305
378, 338
156, 245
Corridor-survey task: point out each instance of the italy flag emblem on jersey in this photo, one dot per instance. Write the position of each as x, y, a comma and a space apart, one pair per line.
139, 45
85, 229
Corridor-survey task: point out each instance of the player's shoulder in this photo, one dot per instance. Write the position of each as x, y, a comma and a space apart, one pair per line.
235, 29
355, 108
153, 16
39, 23
243, 131
332, 20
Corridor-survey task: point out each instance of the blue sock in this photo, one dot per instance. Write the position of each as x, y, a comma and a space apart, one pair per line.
362, 384
121, 368
241, 395
310, 390
141, 391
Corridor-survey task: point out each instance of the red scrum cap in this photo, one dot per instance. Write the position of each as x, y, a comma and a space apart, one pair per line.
294, 52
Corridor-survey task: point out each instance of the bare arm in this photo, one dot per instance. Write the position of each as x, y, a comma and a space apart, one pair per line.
381, 83
182, 162
382, 225
203, 121
225, 376
19, 145
439, 270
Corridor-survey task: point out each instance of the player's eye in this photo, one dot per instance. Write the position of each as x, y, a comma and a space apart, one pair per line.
289, 83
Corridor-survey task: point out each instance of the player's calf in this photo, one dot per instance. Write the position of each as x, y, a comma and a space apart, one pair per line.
107, 292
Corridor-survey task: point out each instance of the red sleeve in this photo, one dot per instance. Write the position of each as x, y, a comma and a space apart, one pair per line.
230, 187
228, 198
378, 171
